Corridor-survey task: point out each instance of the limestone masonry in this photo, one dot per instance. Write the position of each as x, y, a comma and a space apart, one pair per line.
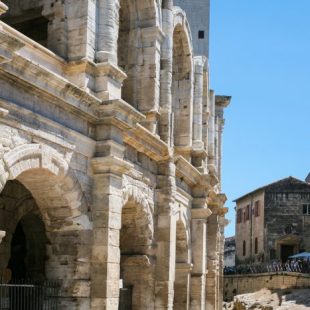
110, 153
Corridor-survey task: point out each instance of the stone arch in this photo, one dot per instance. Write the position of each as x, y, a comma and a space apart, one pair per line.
182, 82
136, 241
48, 179
138, 31
137, 216
47, 175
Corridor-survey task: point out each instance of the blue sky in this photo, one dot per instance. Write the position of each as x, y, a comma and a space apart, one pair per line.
260, 55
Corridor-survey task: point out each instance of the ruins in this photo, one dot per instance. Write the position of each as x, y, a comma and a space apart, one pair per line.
110, 153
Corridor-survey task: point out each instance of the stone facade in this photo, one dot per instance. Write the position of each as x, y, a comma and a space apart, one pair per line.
110, 154
273, 222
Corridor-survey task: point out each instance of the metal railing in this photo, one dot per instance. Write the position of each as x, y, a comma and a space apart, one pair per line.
293, 266
29, 295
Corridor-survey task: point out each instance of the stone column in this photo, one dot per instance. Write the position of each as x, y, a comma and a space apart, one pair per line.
198, 153
222, 222
182, 286
221, 102
107, 211
166, 237
107, 33
199, 252
211, 132
205, 115
2, 235
212, 262
165, 126
199, 62
148, 92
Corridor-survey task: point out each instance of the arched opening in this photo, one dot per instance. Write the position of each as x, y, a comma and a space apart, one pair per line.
135, 46
182, 89
28, 248
44, 196
28, 19
24, 248
136, 270
23, 251
182, 269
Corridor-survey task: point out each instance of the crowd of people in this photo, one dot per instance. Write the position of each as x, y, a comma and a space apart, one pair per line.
298, 265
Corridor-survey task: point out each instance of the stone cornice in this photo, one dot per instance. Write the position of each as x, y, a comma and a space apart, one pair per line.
12, 118
145, 142
121, 110
222, 101
201, 213
8, 46
216, 203
110, 164
96, 69
187, 171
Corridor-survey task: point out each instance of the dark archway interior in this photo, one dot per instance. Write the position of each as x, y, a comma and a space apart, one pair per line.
18, 254
24, 248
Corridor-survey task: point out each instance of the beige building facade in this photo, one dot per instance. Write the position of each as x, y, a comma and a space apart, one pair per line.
273, 222
110, 155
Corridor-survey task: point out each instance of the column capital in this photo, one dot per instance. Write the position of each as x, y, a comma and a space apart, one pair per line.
200, 213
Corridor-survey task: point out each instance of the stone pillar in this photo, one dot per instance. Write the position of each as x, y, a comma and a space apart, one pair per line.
221, 102
2, 235
198, 153
107, 211
107, 33
211, 132
148, 92
182, 286
199, 62
205, 114
222, 222
199, 252
165, 126
212, 262
166, 237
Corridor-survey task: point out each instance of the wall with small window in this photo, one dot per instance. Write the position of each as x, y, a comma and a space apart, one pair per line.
306, 209
250, 228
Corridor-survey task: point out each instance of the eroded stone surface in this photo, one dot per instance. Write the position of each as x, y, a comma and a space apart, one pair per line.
110, 154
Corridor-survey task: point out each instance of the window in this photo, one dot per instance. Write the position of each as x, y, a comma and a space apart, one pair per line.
272, 254
256, 208
244, 248
306, 209
247, 213
256, 246
201, 34
239, 216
